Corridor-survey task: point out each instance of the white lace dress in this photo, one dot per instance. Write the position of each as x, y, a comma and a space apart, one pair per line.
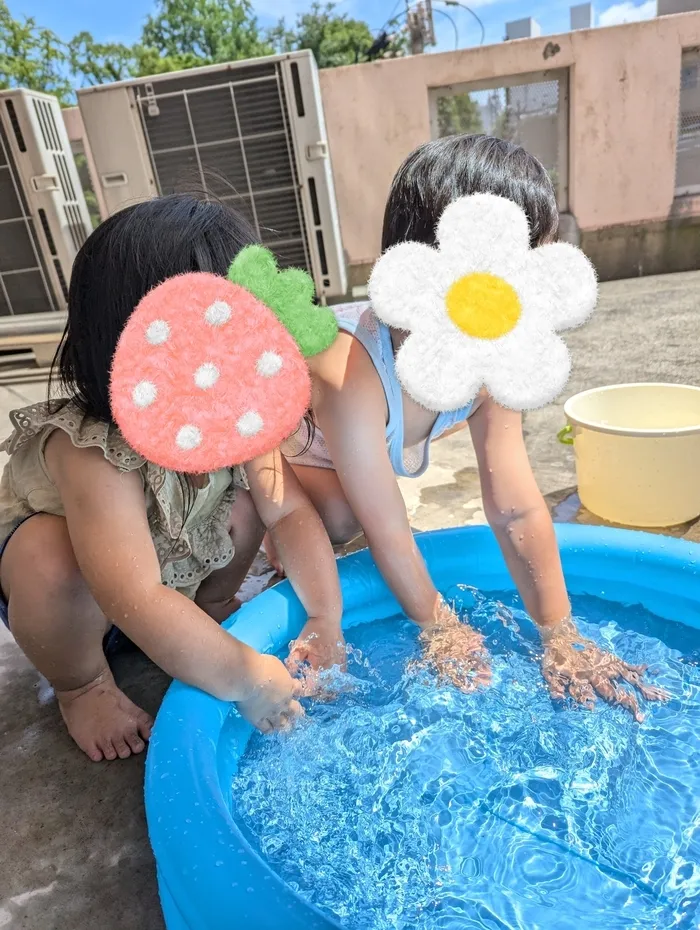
190, 530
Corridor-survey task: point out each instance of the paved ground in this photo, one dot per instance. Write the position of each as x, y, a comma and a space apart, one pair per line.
73, 850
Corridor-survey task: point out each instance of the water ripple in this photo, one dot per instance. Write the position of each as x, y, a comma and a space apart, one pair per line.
408, 805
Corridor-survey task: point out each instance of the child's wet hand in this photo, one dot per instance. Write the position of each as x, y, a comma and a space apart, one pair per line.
456, 652
319, 649
576, 666
320, 646
273, 701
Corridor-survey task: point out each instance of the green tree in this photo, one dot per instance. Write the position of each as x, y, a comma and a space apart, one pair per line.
86, 184
100, 62
179, 34
32, 57
458, 114
199, 32
335, 39
504, 127
149, 61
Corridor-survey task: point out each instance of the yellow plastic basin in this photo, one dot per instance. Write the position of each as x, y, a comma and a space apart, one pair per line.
637, 450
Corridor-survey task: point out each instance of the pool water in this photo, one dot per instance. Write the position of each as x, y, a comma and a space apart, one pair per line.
405, 804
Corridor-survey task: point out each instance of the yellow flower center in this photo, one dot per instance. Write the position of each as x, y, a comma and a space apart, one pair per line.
483, 305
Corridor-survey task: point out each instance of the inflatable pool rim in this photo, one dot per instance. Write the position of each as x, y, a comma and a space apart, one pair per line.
209, 874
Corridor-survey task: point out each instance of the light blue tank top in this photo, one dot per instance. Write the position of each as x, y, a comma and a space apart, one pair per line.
359, 320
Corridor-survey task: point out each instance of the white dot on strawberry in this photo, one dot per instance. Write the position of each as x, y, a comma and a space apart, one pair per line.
144, 394
269, 364
250, 424
158, 332
206, 376
218, 313
188, 438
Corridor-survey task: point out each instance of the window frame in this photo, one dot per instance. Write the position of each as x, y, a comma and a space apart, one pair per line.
561, 75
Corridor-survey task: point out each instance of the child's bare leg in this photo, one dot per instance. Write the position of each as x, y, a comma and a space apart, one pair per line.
58, 625
217, 593
325, 492
273, 558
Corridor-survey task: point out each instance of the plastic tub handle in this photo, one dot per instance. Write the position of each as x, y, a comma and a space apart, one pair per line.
564, 436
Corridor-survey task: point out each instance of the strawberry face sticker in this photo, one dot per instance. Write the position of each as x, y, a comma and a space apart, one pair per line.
209, 373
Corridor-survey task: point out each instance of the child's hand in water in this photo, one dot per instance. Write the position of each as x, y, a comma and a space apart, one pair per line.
574, 664
455, 651
319, 646
272, 703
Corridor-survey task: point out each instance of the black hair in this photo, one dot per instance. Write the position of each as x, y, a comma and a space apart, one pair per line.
130, 253
443, 170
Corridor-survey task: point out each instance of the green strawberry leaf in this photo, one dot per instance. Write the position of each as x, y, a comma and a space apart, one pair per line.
290, 296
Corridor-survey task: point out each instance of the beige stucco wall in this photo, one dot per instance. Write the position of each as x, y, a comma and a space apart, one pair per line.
624, 97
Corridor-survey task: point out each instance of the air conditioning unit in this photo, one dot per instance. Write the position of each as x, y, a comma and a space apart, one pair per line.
43, 216
251, 133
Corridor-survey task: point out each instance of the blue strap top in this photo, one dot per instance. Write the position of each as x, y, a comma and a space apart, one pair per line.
359, 320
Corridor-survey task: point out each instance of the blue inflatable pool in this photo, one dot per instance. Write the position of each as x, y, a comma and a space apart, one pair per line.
210, 877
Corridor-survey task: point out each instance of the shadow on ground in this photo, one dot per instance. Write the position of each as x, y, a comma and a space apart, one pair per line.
75, 853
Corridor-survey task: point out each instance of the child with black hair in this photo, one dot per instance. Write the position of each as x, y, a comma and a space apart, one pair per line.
94, 538
369, 431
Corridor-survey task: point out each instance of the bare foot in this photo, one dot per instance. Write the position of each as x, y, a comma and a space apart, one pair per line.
103, 721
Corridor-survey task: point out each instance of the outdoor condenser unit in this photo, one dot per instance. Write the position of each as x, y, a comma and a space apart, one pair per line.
43, 216
251, 133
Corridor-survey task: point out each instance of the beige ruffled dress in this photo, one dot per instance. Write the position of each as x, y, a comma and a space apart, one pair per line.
190, 532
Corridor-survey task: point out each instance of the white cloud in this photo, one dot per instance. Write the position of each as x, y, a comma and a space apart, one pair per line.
628, 12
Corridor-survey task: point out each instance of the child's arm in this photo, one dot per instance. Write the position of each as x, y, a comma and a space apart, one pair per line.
350, 407
108, 526
306, 552
523, 526
518, 514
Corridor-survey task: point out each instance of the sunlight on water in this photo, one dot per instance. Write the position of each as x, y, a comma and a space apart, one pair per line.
405, 805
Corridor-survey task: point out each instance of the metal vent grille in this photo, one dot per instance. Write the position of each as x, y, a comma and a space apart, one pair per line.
227, 133
47, 125
688, 151
532, 113
23, 282
52, 142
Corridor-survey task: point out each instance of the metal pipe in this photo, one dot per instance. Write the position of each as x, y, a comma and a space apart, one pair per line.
22, 326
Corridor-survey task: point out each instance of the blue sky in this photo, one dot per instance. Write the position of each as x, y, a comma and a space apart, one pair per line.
121, 20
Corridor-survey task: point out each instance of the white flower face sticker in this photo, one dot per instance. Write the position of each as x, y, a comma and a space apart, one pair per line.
483, 310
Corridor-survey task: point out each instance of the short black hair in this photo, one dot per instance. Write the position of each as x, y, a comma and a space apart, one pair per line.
441, 171
130, 253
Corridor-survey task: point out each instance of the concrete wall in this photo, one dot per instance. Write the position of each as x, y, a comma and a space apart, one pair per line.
666, 7
624, 99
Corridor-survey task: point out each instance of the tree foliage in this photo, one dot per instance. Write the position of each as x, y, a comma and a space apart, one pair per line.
335, 39
458, 114
31, 56
180, 34
204, 31
100, 62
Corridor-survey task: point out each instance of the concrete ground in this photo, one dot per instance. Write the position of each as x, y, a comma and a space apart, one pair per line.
73, 847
